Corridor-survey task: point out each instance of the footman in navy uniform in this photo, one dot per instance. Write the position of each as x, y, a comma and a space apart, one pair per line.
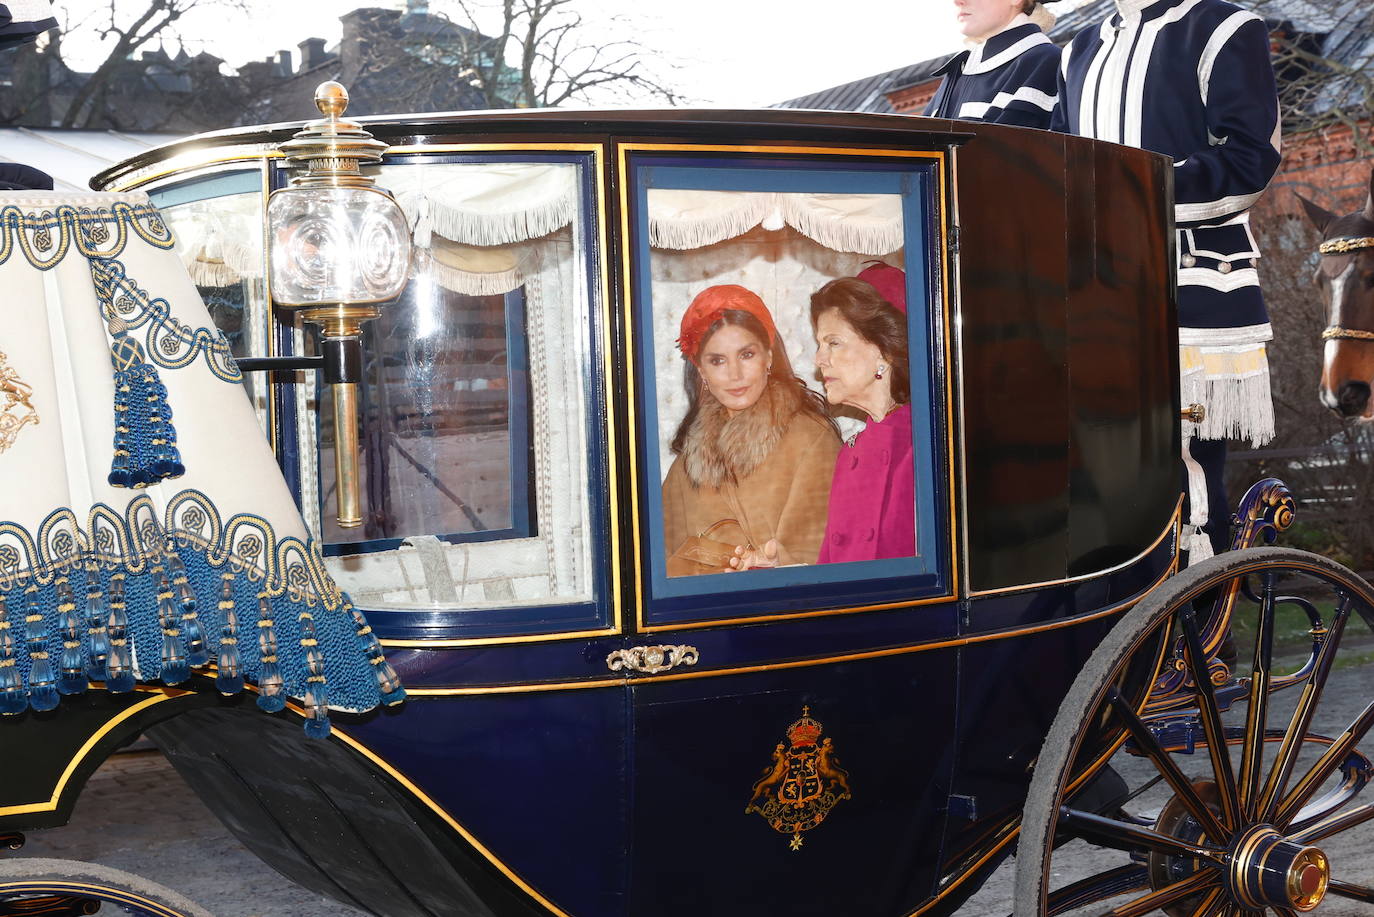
1008, 76
1192, 79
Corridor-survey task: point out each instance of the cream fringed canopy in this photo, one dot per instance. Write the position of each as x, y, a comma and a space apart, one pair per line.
145, 529
867, 224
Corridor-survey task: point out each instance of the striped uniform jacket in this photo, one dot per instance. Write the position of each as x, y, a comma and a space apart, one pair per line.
1008, 79
1192, 79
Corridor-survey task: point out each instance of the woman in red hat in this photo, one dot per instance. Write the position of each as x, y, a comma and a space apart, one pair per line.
755, 451
861, 353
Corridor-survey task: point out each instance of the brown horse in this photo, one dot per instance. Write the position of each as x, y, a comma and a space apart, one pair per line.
1345, 277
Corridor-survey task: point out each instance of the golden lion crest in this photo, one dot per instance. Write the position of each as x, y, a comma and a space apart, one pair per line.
17, 410
802, 784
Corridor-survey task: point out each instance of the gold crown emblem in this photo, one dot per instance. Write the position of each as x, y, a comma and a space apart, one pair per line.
805, 731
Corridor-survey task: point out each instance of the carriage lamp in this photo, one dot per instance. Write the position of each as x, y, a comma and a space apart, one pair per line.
340, 248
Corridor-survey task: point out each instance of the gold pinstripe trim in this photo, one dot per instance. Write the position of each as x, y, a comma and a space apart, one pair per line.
969, 640
1171, 528
623, 151
439, 810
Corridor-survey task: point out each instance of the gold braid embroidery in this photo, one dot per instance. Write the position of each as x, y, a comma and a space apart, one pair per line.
1337, 333
1345, 245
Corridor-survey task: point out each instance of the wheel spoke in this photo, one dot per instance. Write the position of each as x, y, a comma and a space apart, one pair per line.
1121, 835
1350, 890
1214, 905
1165, 896
1211, 718
1257, 710
1287, 757
1108, 884
1182, 786
1334, 824
1328, 762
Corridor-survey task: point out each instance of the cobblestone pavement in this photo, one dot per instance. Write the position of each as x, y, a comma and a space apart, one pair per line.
138, 815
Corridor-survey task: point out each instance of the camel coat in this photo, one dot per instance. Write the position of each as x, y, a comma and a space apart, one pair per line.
768, 467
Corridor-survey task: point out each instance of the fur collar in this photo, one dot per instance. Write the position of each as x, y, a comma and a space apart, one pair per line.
722, 449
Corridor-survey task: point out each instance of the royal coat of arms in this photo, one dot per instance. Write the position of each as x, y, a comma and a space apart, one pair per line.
15, 409
804, 782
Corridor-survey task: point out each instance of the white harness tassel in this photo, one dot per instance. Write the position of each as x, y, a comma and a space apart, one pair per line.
1195, 540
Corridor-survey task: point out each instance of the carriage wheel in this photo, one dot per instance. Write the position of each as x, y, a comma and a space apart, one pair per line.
36, 885
1239, 797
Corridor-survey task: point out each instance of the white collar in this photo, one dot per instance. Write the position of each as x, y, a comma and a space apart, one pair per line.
1131, 9
976, 63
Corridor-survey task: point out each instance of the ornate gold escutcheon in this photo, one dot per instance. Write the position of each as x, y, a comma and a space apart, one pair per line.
17, 410
652, 659
802, 784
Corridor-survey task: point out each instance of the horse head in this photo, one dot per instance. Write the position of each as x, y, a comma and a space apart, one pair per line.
1345, 276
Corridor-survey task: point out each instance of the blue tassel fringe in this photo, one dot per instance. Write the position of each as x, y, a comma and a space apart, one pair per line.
12, 697
69, 645
119, 665
145, 442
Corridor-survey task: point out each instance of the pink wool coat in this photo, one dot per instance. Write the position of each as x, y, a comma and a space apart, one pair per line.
872, 511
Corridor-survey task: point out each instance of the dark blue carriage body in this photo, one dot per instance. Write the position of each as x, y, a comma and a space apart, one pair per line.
845, 738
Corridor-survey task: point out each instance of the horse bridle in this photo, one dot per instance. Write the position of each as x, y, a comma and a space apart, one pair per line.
1345, 246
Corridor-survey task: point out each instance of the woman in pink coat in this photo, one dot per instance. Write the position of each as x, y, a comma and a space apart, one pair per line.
860, 326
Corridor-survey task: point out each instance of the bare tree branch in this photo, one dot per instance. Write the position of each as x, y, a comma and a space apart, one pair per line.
513, 53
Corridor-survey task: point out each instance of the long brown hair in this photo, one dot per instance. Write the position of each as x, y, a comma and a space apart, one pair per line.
780, 373
875, 319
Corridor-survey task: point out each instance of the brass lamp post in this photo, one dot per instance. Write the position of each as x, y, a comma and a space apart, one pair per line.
340, 248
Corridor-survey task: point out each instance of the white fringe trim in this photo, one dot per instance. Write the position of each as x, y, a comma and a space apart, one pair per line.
473, 284
212, 274
844, 232
473, 228
216, 264
1238, 407
862, 224
684, 233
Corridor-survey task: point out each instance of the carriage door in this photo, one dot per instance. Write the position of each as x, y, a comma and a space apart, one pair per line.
792, 723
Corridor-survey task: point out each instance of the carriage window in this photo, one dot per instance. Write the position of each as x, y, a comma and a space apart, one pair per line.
474, 402
787, 313
217, 221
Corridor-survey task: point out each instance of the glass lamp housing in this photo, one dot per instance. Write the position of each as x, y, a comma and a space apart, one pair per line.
337, 245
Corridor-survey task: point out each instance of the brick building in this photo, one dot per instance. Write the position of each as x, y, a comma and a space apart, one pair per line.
392, 60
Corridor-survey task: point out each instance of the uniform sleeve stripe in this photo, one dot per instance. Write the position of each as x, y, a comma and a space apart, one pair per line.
1208, 210
1041, 100
1225, 337
1215, 43
1222, 283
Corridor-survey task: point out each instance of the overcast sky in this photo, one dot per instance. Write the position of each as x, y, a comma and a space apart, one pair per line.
739, 53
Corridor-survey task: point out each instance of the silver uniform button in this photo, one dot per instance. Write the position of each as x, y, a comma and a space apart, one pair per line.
1188, 261
1224, 267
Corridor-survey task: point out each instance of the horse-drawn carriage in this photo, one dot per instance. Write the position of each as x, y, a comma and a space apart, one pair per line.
587, 734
